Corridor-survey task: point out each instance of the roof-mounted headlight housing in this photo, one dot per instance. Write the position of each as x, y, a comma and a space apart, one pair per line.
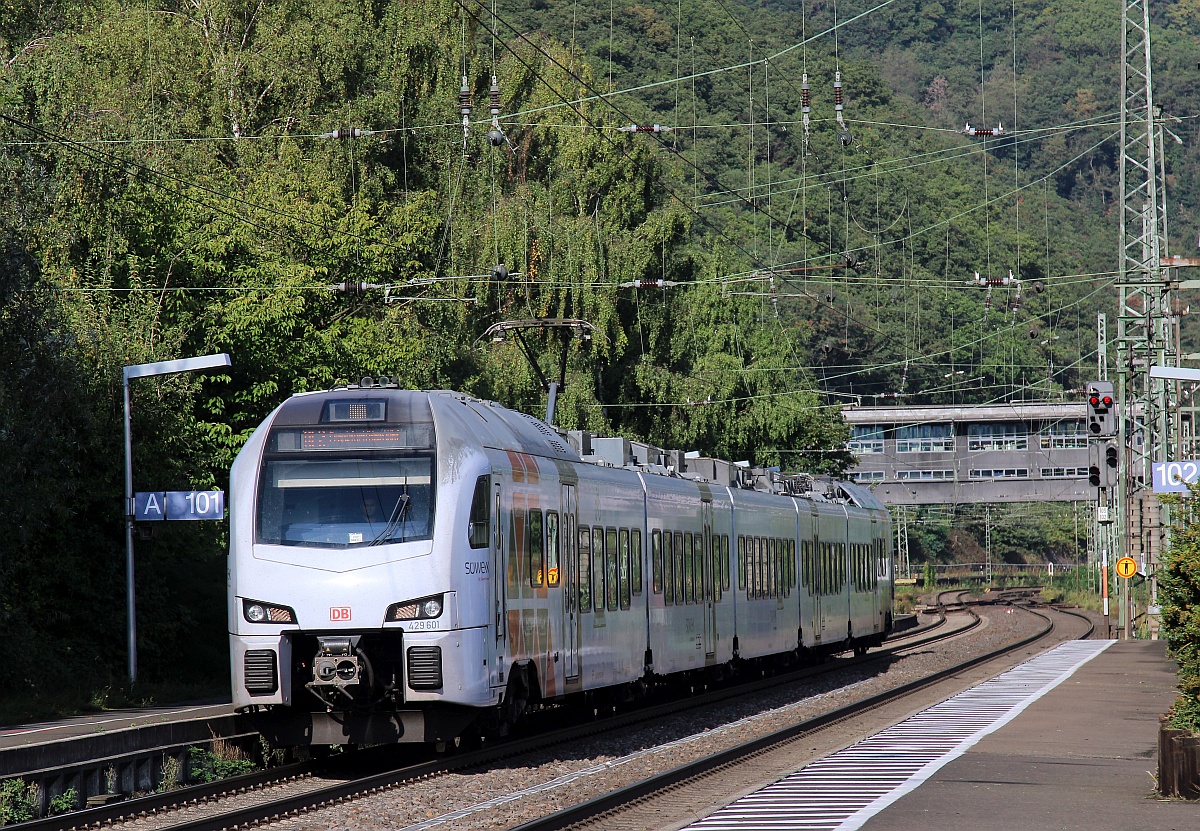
425, 608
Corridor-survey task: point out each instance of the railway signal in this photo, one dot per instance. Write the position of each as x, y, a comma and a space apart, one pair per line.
1101, 410
1104, 460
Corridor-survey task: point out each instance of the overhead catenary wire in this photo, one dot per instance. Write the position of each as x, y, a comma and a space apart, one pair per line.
771, 191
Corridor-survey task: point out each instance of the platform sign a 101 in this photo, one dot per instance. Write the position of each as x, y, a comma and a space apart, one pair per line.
1174, 477
151, 506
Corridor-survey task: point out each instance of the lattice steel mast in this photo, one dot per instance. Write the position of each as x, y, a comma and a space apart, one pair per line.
1146, 334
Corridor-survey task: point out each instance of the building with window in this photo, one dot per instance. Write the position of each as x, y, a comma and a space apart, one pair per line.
946, 455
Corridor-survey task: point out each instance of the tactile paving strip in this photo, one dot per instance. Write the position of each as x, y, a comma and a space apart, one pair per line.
842, 791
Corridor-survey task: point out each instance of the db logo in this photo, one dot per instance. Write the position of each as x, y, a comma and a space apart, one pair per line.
339, 613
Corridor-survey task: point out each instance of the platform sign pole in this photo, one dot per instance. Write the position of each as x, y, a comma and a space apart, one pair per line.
1128, 611
142, 371
129, 509
1104, 586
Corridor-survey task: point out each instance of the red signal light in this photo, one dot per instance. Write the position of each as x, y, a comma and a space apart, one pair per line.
1094, 400
1108, 401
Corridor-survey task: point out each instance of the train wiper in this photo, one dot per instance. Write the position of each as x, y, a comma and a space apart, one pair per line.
395, 521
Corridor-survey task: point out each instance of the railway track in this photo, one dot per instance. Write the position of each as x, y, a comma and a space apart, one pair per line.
307, 784
655, 796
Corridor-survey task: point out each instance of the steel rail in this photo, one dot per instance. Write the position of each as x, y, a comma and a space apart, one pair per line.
588, 811
140, 807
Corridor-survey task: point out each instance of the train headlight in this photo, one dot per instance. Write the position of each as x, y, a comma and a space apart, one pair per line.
255, 611
424, 609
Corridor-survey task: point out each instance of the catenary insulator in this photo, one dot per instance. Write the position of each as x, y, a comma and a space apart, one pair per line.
645, 128
464, 99
495, 136
464, 107
845, 139
347, 133
985, 132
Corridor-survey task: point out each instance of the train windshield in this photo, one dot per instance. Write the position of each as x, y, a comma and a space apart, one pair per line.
344, 489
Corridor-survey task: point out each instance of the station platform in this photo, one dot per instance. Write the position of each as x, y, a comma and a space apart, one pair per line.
31, 748
1067, 740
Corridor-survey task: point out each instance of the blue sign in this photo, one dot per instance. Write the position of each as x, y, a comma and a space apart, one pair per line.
150, 506
1174, 477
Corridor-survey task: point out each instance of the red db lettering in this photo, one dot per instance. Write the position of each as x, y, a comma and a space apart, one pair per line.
339, 613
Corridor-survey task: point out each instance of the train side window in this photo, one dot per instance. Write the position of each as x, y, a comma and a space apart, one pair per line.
584, 574
780, 568
768, 563
775, 580
783, 570
718, 575
760, 566
752, 567
480, 523
718, 569
656, 561
536, 546
689, 586
680, 556
764, 568
635, 542
624, 567
598, 593
725, 577
711, 573
668, 568
741, 557
791, 565
698, 595
610, 564
552, 542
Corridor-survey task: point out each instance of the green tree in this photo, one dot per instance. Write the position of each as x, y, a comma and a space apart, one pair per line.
1179, 595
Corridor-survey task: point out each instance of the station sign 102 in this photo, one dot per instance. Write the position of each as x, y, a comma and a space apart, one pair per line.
1174, 477
150, 506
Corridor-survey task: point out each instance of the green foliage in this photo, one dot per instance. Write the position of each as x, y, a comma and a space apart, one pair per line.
208, 766
1179, 596
166, 190
19, 801
66, 801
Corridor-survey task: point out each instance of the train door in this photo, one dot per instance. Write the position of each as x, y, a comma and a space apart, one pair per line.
499, 585
813, 567
706, 582
872, 569
570, 604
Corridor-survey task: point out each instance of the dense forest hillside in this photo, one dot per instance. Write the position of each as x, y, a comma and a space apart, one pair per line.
291, 183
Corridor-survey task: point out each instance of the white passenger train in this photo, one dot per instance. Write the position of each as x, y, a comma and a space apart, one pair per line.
406, 566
